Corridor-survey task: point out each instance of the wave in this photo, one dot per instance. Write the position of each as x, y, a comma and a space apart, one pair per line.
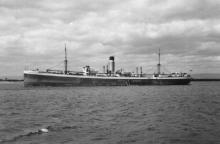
38, 132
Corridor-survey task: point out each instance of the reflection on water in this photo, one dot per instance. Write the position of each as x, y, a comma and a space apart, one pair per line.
113, 115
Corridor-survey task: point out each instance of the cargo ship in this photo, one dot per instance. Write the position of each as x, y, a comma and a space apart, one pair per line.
109, 76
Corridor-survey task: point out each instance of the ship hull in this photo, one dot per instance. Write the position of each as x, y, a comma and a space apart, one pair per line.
45, 79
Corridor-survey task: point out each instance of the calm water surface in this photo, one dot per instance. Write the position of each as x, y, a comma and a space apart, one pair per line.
110, 115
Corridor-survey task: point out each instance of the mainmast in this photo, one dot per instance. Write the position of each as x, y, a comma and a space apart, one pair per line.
65, 62
158, 65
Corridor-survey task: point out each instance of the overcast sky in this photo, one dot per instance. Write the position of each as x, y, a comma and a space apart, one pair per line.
33, 34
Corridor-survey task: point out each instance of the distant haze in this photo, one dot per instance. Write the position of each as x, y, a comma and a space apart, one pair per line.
206, 76
33, 34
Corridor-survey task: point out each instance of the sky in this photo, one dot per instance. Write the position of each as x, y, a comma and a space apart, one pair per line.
33, 34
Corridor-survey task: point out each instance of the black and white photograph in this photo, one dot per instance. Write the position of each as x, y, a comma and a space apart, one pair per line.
109, 71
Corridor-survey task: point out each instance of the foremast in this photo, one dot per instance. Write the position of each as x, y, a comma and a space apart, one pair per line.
65, 61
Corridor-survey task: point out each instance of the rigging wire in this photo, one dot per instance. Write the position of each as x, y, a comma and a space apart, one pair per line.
56, 65
151, 70
165, 69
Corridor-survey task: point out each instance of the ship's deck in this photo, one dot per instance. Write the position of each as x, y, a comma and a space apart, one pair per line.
101, 77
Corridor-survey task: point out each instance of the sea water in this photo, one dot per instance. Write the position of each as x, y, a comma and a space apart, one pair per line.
187, 114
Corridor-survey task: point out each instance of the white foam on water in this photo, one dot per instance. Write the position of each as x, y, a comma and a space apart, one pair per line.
44, 130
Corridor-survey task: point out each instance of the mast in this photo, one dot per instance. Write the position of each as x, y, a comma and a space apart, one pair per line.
158, 65
65, 62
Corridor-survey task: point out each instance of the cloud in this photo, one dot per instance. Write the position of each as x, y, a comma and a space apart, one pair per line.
34, 32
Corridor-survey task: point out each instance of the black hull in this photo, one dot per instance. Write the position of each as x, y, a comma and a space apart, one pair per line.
55, 80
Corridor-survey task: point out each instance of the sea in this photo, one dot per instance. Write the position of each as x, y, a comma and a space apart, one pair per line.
181, 114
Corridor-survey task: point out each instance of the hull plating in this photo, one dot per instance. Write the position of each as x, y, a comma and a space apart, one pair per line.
54, 80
